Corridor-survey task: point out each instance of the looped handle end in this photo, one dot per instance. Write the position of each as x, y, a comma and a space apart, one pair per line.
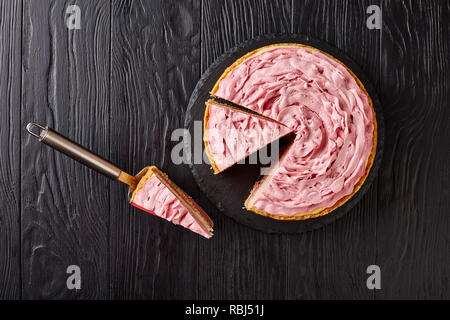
41, 134
73, 150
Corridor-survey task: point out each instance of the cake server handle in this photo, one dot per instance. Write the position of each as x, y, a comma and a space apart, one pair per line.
79, 153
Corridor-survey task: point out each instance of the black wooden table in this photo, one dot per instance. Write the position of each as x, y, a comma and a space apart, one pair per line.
120, 84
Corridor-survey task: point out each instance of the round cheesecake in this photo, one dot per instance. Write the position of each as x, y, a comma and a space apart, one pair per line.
331, 114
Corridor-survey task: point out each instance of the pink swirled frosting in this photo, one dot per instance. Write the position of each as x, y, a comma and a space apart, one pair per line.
156, 198
232, 135
320, 100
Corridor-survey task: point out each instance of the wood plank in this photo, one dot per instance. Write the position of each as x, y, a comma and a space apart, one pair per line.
65, 211
331, 262
155, 66
239, 262
10, 30
413, 223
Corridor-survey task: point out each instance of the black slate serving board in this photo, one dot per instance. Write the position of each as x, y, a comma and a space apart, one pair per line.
229, 189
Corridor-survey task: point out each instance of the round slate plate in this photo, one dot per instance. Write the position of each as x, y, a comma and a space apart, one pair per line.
230, 189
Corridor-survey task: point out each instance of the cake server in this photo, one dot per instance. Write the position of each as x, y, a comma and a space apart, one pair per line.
97, 163
83, 155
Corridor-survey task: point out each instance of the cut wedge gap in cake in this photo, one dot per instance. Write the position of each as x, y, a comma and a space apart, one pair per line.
333, 118
158, 195
232, 133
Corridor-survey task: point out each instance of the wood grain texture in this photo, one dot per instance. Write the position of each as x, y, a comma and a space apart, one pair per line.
120, 86
239, 262
155, 66
414, 196
10, 34
331, 263
65, 206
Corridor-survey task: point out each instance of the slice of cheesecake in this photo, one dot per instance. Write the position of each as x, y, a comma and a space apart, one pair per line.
158, 195
231, 134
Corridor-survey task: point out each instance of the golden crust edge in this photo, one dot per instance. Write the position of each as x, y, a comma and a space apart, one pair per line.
198, 213
208, 152
370, 159
205, 222
257, 52
142, 181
